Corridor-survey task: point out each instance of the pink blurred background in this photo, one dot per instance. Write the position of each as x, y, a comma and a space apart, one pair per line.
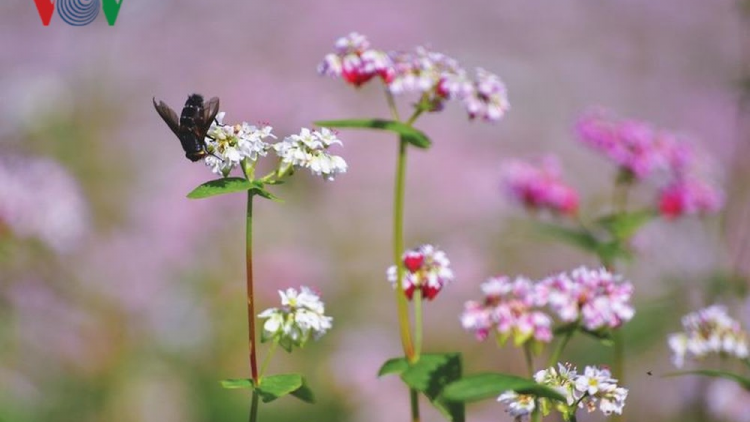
136, 310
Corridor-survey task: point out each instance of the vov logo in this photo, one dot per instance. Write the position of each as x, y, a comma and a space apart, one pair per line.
78, 12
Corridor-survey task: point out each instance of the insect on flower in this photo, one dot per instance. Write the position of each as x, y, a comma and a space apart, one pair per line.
194, 122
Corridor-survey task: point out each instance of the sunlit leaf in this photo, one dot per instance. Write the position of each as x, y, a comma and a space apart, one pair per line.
491, 385
221, 187
408, 133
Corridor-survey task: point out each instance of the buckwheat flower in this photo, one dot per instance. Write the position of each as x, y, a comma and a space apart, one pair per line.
40, 199
309, 149
510, 309
489, 98
517, 405
593, 380
562, 379
355, 62
301, 316
630, 144
600, 299
689, 196
228, 145
539, 186
426, 268
709, 330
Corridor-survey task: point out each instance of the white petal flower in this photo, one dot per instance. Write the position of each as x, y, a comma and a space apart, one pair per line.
300, 317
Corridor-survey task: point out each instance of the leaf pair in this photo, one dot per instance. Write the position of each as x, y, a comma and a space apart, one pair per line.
273, 387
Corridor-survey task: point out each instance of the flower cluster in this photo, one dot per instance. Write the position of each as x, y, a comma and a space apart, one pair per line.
689, 196
228, 145
595, 387
510, 310
309, 149
40, 199
435, 76
709, 330
427, 269
540, 186
302, 315
642, 151
596, 298
356, 62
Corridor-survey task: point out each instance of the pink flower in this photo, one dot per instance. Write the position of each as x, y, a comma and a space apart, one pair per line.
356, 62
689, 196
427, 269
540, 186
598, 298
629, 143
510, 309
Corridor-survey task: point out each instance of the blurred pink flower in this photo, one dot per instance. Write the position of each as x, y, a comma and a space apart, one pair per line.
540, 186
689, 196
598, 298
435, 76
40, 199
509, 307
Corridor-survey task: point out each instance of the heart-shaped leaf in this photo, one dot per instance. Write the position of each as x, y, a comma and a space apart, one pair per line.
482, 386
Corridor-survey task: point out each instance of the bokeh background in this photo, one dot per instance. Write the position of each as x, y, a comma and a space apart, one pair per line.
123, 301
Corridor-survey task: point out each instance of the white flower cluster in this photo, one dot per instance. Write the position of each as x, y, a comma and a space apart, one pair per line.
309, 149
301, 316
230, 144
594, 387
427, 269
709, 330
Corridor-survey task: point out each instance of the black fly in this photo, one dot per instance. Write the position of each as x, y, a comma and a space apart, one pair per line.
194, 122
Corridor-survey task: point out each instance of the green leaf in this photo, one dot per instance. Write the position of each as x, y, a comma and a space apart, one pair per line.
581, 239
430, 375
237, 383
221, 187
604, 337
274, 386
742, 381
258, 189
486, 385
393, 366
624, 225
304, 393
407, 133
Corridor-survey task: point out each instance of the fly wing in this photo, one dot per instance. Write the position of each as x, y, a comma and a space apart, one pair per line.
210, 110
169, 116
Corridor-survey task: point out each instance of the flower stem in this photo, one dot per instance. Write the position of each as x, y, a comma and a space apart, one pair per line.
555, 357
398, 251
254, 407
414, 401
536, 415
267, 360
250, 297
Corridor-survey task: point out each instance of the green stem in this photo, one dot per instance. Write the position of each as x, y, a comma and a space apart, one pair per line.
267, 360
254, 407
561, 344
414, 401
529, 359
398, 252
250, 296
